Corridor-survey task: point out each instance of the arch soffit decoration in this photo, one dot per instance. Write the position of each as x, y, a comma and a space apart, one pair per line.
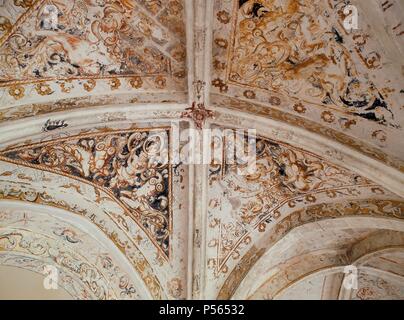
359, 213
89, 265
357, 240
30, 183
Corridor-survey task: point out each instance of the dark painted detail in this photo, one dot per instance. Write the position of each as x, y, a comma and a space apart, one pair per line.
54, 125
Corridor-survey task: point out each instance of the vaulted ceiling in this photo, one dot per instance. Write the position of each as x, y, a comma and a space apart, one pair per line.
84, 102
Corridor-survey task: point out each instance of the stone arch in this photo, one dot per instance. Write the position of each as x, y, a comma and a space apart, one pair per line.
322, 262
54, 236
363, 215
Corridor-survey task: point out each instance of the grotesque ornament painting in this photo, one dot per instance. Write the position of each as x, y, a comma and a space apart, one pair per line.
290, 47
126, 164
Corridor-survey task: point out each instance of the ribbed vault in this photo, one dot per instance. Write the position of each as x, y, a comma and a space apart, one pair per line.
87, 103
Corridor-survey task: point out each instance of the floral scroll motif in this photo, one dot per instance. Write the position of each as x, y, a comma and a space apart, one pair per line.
285, 177
299, 49
125, 164
92, 40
